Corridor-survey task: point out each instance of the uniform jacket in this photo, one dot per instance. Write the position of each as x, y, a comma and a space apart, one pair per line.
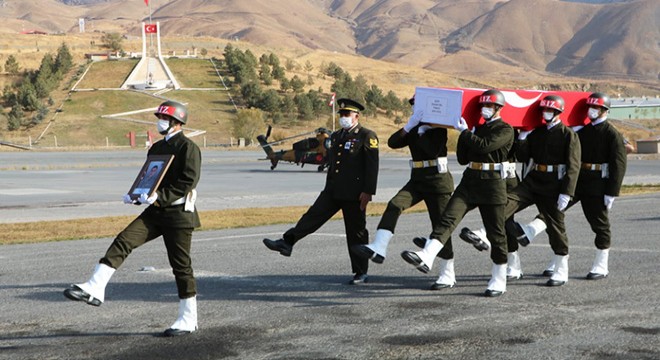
353, 163
181, 178
557, 145
601, 143
428, 146
490, 143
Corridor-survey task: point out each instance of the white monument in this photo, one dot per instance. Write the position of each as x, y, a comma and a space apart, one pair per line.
151, 72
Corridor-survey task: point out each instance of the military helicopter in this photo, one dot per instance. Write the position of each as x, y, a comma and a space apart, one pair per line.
311, 150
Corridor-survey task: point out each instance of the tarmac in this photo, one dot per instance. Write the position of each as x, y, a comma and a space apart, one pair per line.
256, 304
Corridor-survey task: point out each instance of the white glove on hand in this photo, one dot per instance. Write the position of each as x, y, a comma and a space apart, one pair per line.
562, 202
462, 125
609, 200
523, 135
145, 199
414, 120
127, 199
422, 129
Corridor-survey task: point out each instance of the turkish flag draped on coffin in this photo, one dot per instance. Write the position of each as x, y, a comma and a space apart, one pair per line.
522, 107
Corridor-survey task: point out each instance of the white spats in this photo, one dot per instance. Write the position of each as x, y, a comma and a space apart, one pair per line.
561, 268
534, 228
381, 240
447, 275
513, 269
599, 266
187, 320
95, 286
498, 278
429, 252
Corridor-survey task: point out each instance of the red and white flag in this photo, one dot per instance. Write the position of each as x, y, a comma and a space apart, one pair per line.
332, 100
146, 2
150, 28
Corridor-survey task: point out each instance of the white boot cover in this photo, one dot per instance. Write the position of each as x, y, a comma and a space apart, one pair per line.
551, 265
481, 233
561, 268
95, 286
381, 240
534, 228
187, 320
498, 278
447, 275
429, 252
600, 262
513, 268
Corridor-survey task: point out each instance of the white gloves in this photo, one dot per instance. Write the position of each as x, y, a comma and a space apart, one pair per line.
523, 135
462, 125
422, 129
414, 120
562, 202
145, 199
609, 200
127, 199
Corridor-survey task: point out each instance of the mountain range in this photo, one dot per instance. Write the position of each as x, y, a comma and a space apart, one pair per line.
587, 39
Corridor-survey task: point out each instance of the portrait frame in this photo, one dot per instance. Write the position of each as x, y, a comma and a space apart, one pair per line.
150, 176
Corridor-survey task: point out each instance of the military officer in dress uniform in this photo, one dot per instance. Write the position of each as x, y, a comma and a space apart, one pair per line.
553, 154
430, 181
483, 185
171, 214
349, 187
603, 165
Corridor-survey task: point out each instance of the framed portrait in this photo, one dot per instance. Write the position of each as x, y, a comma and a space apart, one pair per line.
150, 175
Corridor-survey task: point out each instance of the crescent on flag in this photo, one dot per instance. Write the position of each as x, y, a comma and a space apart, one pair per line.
150, 28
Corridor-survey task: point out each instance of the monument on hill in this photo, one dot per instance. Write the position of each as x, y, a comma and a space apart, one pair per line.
151, 72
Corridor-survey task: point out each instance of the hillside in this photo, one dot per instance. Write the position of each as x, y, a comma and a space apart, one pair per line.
601, 39
80, 123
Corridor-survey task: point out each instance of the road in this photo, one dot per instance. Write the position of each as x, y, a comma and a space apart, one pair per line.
256, 304
69, 185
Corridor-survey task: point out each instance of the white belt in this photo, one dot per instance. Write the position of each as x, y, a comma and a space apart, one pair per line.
485, 166
179, 201
440, 162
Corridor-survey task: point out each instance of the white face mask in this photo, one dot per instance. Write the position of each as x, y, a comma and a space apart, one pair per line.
487, 113
346, 122
163, 126
593, 113
548, 116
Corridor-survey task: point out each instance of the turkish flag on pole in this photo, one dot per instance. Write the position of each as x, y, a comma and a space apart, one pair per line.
150, 29
146, 2
332, 100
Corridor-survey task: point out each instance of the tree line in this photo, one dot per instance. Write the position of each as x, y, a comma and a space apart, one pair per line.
30, 94
263, 84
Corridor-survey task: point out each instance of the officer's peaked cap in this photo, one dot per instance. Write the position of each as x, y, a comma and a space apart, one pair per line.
350, 105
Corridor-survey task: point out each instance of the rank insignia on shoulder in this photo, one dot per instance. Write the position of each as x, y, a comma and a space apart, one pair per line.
373, 143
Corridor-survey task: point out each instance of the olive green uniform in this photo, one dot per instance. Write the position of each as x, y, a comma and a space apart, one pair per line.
601, 144
428, 182
479, 187
353, 169
549, 148
162, 218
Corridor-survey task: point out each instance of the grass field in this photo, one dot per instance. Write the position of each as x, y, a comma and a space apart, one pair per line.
211, 220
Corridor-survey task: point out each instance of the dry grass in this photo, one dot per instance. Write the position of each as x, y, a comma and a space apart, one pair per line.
46, 231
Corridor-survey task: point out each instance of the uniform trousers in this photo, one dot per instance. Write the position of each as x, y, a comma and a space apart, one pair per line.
492, 216
597, 215
177, 242
522, 196
409, 196
321, 211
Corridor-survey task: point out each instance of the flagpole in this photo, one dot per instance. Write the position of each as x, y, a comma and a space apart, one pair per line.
333, 113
